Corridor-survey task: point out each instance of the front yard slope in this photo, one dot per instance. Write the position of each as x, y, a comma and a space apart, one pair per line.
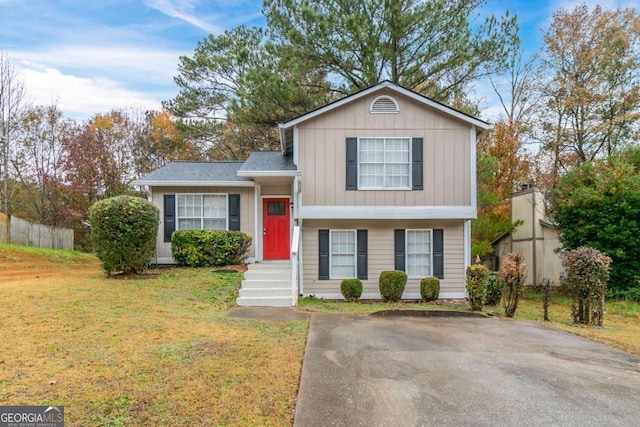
141, 351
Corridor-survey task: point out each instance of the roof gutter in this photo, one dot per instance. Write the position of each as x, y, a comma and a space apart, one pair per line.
169, 183
268, 173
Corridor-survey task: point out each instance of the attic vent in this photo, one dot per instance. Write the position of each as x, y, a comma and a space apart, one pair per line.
384, 105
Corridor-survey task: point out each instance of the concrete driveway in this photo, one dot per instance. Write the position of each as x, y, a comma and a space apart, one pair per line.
440, 371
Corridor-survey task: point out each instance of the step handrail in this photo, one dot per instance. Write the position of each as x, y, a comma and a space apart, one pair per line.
295, 250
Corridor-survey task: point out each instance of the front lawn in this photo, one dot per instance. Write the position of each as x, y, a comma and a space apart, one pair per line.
157, 349
621, 328
149, 351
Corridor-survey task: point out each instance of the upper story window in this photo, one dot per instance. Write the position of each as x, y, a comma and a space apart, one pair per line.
384, 105
384, 163
202, 211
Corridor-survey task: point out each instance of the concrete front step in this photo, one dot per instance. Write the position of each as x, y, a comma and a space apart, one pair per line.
264, 301
266, 284
267, 274
270, 265
265, 292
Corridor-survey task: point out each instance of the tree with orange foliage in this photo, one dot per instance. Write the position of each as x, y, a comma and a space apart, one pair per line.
591, 105
158, 141
502, 164
502, 159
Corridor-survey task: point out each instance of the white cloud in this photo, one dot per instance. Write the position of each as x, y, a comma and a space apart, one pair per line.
81, 97
83, 80
183, 10
135, 63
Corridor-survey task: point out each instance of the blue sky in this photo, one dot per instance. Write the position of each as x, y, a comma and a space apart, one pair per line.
96, 55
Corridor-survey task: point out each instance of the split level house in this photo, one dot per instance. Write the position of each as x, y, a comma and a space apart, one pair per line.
383, 179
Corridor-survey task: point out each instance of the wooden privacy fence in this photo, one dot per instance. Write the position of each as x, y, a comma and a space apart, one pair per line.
22, 232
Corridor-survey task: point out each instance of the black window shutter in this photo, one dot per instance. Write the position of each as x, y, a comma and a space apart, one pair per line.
399, 242
169, 216
363, 267
323, 251
417, 166
352, 163
234, 212
438, 253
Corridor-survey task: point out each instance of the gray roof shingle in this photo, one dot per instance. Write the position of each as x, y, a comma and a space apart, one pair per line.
188, 171
268, 161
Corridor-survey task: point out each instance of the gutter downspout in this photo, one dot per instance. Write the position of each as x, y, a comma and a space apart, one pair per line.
534, 255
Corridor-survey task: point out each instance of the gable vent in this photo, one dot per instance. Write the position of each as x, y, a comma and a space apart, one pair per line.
384, 105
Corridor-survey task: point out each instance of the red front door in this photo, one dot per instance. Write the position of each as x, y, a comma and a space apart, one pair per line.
276, 227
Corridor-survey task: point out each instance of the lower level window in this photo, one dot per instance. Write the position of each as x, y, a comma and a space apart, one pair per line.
202, 211
342, 255
418, 253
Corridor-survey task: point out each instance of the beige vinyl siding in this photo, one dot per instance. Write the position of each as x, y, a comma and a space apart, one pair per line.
447, 155
275, 190
246, 210
381, 254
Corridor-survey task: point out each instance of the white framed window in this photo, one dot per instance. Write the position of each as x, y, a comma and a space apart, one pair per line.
342, 254
419, 253
202, 212
384, 163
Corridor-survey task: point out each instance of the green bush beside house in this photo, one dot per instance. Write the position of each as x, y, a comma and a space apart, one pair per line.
209, 248
123, 232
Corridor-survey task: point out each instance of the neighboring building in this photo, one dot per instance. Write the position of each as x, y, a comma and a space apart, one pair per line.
536, 238
380, 180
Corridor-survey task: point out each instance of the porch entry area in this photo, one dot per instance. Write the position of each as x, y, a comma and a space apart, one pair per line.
276, 228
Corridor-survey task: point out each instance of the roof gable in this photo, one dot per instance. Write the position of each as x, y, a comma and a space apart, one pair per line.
287, 127
386, 84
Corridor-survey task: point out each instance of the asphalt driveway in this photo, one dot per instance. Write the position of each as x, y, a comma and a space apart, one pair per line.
441, 371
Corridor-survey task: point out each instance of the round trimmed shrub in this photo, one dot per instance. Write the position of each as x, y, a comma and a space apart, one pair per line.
476, 285
429, 288
351, 289
123, 232
494, 290
587, 274
392, 284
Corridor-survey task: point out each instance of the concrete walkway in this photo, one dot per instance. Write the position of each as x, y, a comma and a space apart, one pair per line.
451, 371
285, 314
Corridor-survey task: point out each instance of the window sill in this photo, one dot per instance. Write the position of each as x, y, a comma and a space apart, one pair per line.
385, 189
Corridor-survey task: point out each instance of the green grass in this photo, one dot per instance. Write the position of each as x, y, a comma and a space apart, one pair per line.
154, 350
16, 253
368, 307
621, 328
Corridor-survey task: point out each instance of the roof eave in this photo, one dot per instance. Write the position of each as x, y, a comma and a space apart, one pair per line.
283, 138
268, 173
174, 183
